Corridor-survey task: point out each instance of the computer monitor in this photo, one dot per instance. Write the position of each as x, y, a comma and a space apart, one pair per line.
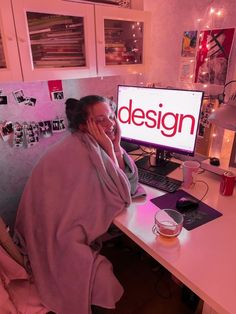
162, 118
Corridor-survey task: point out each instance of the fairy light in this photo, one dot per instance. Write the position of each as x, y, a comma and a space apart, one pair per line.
212, 10
214, 14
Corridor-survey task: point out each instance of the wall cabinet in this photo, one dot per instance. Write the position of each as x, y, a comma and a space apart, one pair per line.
10, 69
67, 40
122, 36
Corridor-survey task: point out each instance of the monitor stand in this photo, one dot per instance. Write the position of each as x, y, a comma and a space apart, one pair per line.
129, 147
163, 165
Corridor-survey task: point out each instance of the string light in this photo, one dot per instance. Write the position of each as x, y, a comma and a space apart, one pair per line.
212, 10
214, 14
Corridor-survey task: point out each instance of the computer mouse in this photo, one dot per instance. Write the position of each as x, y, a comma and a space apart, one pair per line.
184, 204
214, 161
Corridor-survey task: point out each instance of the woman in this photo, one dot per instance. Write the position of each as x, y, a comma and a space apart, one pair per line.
70, 200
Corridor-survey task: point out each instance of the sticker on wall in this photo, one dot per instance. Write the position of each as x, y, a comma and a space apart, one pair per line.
55, 90
213, 56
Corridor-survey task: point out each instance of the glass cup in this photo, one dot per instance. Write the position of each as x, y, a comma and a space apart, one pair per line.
168, 223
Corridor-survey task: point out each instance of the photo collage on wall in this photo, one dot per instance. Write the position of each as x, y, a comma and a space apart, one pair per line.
28, 134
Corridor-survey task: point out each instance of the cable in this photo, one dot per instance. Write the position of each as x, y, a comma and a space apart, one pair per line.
207, 189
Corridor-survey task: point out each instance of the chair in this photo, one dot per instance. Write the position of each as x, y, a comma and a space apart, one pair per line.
18, 294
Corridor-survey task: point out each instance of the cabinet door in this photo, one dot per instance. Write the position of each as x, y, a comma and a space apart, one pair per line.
121, 40
9, 57
56, 39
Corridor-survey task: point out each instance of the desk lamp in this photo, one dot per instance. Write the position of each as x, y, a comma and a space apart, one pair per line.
225, 115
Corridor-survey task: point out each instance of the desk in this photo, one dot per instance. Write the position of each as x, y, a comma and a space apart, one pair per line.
204, 259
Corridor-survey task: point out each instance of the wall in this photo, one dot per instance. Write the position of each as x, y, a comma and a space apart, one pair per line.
17, 163
169, 20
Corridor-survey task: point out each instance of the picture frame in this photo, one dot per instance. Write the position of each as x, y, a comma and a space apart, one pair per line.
232, 162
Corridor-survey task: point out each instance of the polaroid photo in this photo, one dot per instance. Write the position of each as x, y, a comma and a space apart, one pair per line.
3, 100
58, 125
57, 95
31, 134
6, 130
29, 101
45, 128
19, 96
18, 135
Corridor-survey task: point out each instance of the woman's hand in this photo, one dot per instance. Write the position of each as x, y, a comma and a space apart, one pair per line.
116, 141
100, 136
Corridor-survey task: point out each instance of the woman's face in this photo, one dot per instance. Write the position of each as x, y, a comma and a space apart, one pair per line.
103, 115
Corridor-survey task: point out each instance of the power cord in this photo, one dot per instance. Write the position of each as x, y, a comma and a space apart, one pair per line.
207, 188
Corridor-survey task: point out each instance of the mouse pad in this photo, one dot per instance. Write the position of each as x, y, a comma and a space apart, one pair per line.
192, 218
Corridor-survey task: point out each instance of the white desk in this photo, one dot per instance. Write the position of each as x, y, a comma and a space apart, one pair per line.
204, 259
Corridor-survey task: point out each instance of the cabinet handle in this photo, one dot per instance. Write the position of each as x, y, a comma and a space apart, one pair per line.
100, 42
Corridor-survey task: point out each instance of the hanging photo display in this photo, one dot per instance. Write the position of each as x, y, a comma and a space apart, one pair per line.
28, 134
213, 56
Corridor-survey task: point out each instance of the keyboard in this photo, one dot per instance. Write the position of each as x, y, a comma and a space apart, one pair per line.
158, 181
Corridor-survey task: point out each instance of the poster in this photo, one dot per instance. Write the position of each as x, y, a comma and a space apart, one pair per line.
213, 56
189, 44
186, 72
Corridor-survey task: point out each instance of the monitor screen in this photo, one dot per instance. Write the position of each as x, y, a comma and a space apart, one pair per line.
159, 117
